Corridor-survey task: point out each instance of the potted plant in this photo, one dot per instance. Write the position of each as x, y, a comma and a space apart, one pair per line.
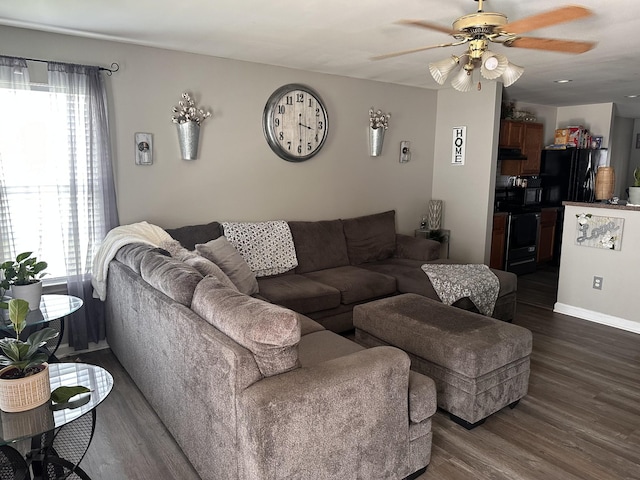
24, 276
188, 117
24, 382
634, 190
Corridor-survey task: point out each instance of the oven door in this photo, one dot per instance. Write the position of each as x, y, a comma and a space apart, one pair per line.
522, 242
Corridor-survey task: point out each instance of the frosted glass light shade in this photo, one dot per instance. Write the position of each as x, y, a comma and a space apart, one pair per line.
441, 70
493, 65
511, 74
463, 81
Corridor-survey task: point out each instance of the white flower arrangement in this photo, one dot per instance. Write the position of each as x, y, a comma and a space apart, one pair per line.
609, 241
186, 111
378, 119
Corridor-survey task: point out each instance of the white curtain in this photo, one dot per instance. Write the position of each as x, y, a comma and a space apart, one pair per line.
59, 177
14, 75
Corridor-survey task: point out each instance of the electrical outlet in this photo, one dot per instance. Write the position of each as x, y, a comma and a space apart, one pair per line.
597, 283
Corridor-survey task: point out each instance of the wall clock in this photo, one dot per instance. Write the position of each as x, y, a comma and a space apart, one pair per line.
295, 122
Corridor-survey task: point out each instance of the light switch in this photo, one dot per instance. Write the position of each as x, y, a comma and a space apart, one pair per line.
144, 148
405, 151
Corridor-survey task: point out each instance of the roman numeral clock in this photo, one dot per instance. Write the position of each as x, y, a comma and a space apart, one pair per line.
295, 122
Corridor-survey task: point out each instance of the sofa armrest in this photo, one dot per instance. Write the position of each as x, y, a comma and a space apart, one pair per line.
347, 416
416, 248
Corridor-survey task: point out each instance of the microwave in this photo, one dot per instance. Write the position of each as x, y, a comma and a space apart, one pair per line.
531, 195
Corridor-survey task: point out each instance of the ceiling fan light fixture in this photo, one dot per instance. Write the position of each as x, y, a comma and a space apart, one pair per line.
493, 65
463, 80
441, 70
512, 73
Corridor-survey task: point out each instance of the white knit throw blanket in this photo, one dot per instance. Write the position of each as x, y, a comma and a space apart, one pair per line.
266, 246
453, 282
118, 237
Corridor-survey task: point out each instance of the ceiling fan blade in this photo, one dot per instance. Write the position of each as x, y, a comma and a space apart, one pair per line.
429, 25
551, 44
546, 19
413, 50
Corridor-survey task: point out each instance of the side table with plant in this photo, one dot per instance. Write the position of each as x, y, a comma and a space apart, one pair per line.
24, 276
24, 382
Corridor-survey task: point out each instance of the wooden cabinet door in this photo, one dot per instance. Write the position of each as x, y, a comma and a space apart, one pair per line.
498, 241
547, 234
511, 134
532, 147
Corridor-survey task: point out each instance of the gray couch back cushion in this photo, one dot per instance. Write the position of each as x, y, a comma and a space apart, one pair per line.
370, 237
270, 332
172, 277
131, 255
319, 245
225, 256
191, 235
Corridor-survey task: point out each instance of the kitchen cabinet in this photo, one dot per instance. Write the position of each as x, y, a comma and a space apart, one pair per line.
526, 136
547, 234
498, 241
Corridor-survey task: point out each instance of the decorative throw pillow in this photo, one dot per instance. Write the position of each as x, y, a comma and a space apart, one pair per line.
270, 332
223, 254
370, 237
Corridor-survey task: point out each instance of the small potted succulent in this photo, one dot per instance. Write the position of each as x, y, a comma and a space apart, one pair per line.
634, 190
24, 380
24, 276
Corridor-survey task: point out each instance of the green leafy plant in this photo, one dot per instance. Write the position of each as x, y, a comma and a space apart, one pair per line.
636, 177
24, 356
24, 270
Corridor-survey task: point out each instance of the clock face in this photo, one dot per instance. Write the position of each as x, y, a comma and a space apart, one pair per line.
295, 122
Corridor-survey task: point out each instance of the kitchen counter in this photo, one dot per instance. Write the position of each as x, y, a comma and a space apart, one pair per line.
602, 205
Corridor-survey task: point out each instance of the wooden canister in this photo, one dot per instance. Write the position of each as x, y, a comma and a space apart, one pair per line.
605, 182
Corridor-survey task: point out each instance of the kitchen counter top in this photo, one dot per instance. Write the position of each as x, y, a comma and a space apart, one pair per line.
603, 205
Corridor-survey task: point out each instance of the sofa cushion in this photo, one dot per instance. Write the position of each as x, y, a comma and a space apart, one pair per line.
269, 331
370, 237
132, 254
207, 267
191, 235
412, 279
299, 293
223, 254
319, 245
171, 276
355, 284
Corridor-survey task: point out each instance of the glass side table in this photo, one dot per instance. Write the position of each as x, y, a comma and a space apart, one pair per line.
59, 434
52, 313
440, 235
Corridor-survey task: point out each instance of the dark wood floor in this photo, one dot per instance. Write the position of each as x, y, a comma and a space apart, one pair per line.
580, 420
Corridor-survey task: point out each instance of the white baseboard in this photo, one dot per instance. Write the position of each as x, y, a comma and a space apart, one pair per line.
597, 317
65, 351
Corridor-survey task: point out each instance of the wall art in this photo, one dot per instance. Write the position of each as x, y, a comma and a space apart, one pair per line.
599, 232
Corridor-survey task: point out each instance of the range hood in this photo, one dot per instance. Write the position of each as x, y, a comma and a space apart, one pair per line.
509, 153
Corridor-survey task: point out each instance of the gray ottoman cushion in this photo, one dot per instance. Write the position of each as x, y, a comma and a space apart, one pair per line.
478, 363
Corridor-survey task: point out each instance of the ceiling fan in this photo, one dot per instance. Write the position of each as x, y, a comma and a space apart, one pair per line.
480, 29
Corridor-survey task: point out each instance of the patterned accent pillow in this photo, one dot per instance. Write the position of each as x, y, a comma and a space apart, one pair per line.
223, 254
266, 246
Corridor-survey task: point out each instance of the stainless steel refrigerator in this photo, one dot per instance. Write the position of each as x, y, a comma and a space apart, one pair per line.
570, 174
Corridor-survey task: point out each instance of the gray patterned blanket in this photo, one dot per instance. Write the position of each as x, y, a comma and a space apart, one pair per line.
455, 281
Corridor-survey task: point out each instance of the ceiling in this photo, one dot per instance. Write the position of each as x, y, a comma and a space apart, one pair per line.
339, 37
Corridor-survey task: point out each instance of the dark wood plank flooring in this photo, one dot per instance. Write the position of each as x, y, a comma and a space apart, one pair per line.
580, 420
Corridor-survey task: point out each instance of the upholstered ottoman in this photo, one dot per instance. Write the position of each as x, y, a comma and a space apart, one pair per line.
479, 364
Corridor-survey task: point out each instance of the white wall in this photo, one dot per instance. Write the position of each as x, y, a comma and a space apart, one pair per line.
597, 118
620, 154
616, 304
468, 190
237, 176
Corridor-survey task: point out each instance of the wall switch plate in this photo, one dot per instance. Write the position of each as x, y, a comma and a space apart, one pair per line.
405, 151
597, 283
144, 148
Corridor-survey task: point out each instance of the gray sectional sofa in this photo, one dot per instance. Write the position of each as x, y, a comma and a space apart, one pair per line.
346, 262
255, 391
